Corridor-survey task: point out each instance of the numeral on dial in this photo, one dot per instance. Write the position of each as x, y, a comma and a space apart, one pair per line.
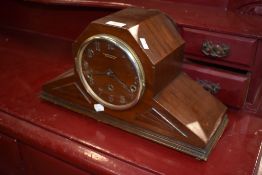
97, 46
100, 91
133, 88
111, 98
90, 53
122, 100
91, 80
85, 64
110, 87
110, 46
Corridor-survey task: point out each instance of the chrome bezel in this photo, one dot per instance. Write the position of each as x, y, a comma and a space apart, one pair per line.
133, 58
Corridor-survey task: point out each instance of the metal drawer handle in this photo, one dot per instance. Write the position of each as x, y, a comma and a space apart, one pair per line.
211, 87
215, 50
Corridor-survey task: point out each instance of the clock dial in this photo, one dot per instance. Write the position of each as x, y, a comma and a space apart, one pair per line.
110, 71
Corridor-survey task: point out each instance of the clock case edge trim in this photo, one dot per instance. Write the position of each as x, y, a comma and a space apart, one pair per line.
199, 153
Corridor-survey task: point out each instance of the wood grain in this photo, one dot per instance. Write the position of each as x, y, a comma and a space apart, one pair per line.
174, 109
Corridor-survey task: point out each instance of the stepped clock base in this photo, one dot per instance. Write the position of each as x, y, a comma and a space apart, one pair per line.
199, 153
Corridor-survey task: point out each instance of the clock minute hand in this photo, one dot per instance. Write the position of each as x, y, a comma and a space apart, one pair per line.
111, 74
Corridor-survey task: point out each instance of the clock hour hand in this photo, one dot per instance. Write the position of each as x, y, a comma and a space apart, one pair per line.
99, 73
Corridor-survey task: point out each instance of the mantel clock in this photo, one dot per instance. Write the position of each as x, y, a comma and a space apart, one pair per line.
127, 73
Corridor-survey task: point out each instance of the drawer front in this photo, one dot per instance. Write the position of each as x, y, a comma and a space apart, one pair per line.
38, 163
10, 162
230, 88
219, 47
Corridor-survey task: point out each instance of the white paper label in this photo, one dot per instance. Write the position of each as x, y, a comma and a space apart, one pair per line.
114, 23
99, 107
144, 43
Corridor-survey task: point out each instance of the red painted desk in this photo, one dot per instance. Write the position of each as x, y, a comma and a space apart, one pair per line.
37, 137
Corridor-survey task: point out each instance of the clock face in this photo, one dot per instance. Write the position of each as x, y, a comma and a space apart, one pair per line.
110, 71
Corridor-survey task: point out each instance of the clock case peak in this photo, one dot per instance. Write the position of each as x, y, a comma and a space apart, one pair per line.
174, 110
157, 30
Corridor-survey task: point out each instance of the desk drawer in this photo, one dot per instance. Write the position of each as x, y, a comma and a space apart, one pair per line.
230, 88
39, 163
219, 47
10, 162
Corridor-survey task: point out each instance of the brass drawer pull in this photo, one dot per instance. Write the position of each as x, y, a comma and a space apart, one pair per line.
215, 50
211, 87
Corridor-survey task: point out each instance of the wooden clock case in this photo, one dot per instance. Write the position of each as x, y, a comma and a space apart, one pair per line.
174, 110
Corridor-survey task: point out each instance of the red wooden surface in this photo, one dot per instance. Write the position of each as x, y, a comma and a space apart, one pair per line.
120, 3
251, 7
59, 21
27, 15
215, 3
38, 163
29, 60
233, 87
10, 162
255, 87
